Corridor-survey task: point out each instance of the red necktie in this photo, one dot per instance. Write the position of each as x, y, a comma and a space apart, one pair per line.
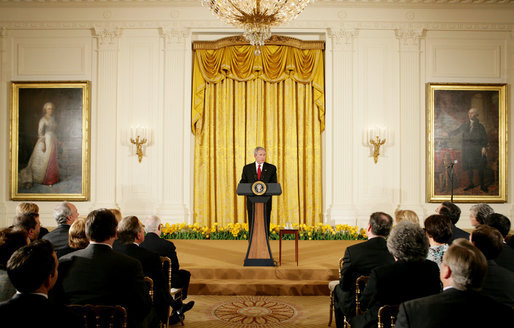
259, 172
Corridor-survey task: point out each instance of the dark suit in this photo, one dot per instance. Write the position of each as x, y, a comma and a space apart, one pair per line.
152, 268
458, 233
499, 284
59, 238
268, 175
395, 283
358, 260
42, 232
506, 258
179, 278
31, 310
453, 308
99, 275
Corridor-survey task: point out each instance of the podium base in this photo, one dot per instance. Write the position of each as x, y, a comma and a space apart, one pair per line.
259, 262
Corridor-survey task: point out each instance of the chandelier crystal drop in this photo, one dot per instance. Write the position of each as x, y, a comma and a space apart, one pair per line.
256, 17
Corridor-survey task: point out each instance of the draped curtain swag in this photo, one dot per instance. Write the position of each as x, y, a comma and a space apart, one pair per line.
240, 101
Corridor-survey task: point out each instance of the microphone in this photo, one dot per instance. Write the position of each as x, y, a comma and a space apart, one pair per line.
452, 164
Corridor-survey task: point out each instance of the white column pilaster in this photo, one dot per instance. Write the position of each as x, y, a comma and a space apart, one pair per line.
5, 128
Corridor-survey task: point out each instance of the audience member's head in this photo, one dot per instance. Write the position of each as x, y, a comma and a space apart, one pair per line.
478, 213
10, 241
117, 214
380, 224
152, 224
28, 222
130, 229
487, 239
23, 208
65, 213
408, 242
77, 238
500, 222
439, 228
450, 210
464, 266
101, 225
406, 215
33, 268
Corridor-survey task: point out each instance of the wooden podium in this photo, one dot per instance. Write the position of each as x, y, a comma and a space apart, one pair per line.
259, 252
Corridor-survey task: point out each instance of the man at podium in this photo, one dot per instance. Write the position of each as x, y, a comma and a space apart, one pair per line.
259, 171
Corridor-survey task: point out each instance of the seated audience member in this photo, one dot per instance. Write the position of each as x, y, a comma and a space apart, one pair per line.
359, 260
452, 211
502, 223
411, 276
130, 235
179, 278
24, 208
459, 305
117, 214
438, 229
10, 241
65, 214
478, 213
33, 272
28, 222
77, 238
99, 275
498, 282
406, 215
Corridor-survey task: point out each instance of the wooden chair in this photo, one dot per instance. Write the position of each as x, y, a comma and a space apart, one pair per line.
100, 316
387, 316
360, 283
332, 287
149, 284
176, 293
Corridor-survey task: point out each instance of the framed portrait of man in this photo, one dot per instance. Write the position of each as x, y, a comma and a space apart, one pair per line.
50, 140
466, 142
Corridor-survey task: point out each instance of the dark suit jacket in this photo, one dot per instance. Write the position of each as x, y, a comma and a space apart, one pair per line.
499, 284
506, 258
42, 232
152, 268
268, 173
359, 260
99, 275
59, 238
453, 308
31, 310
163, 248
395, 283
458, 233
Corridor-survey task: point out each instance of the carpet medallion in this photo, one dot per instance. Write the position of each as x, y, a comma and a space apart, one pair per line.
254, 312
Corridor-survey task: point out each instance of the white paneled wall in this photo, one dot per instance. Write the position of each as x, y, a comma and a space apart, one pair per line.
138, 59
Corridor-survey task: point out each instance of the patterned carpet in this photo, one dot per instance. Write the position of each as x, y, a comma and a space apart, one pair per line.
258, 311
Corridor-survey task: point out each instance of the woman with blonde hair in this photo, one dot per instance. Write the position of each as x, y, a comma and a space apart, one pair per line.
117, 214
76, 237
406, 215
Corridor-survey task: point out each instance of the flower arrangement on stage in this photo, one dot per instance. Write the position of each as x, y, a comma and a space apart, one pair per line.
239, 231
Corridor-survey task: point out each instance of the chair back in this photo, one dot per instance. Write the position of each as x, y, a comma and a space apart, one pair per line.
100, 316
387, 316
340, 267
166, 268
149, 285
360, 283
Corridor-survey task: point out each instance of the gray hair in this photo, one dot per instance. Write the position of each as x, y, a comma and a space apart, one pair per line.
152, 223
61, 213
481, 211
467, 263
256, 150
408, 242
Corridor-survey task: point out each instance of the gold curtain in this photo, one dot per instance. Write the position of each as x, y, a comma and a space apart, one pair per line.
240, 101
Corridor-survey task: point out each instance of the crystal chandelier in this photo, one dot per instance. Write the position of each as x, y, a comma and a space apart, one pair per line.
256, 17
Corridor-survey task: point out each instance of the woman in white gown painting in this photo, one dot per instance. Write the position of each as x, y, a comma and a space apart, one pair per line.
43, 167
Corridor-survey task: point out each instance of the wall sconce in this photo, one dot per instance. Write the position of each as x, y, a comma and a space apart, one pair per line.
376, 137
139, 136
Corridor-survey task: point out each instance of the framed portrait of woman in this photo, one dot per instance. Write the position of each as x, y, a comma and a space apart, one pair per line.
50, 140
466, 142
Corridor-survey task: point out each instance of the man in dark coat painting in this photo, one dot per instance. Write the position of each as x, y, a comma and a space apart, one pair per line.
474, 148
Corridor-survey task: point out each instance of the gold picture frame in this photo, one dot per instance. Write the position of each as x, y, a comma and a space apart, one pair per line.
466, 143
49, 150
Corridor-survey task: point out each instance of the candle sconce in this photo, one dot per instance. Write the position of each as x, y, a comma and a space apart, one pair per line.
376, 138
140, 138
